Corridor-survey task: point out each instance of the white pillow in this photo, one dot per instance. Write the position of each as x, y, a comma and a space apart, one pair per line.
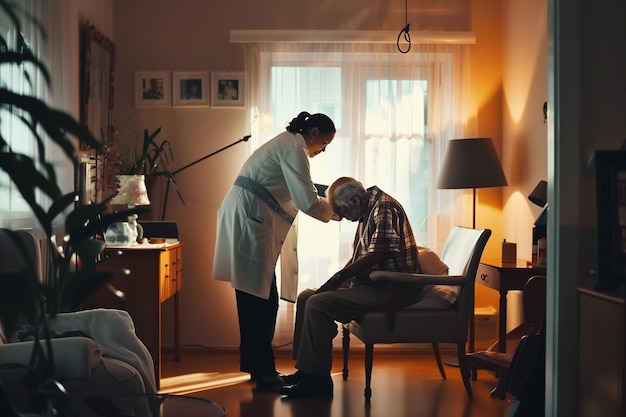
436, 297
430, 263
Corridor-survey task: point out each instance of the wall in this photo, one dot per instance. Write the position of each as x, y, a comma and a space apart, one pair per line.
524, 132
71, 14
525, 149
602, 109
194, 35
587, 95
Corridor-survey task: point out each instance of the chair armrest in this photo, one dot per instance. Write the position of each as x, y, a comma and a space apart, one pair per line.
422, 279
74, 357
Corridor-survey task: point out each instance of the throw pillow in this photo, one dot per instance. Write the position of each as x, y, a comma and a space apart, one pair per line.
435, 297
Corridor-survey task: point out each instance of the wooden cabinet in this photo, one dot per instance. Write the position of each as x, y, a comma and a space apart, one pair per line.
504, 277
170, 272
601, 354
156, 275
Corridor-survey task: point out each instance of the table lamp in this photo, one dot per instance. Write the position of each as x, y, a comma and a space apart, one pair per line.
539, 195
132, 192
471, 163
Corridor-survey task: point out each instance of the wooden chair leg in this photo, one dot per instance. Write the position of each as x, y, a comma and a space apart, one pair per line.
369, 362
465, 369
345, 339
473, 368
442, 370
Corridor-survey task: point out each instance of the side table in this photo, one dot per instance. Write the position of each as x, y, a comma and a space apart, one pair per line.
156, 274
504, 277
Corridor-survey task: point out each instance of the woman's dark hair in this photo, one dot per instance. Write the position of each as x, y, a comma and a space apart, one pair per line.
305, 122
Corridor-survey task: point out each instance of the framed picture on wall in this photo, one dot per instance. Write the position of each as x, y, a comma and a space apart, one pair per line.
227, 89
153, 89
190, 89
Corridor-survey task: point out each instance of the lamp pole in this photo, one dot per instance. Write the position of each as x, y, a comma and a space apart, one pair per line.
167, 188
474, 210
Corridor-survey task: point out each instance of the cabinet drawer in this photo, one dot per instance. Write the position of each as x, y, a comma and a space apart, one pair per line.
488, 276
167, 278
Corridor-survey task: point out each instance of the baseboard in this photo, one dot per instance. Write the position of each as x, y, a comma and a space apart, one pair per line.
400, 349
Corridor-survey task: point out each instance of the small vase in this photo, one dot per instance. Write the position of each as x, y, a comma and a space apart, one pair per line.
132, 192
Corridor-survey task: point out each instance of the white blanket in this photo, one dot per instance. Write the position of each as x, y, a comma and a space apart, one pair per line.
114, 331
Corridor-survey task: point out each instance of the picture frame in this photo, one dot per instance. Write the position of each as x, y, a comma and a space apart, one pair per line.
96, 106
190, 89
611, 218
227, 89
153, 89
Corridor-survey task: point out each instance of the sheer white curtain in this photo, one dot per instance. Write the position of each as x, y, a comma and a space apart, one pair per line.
394, 114
51, 47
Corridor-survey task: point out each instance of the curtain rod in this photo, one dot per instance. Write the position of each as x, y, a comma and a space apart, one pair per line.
347, 36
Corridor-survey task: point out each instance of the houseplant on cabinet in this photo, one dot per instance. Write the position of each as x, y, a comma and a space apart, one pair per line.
151, 159
24, 296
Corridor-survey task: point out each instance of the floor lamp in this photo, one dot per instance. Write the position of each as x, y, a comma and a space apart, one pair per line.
167, 188
470, 163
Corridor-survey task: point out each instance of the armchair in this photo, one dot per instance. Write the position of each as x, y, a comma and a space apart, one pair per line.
83, 371
110, 363
461, 253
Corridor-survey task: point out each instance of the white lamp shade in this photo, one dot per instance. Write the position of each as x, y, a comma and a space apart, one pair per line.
133, 191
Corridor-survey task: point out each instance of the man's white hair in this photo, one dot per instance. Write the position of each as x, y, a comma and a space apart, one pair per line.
345, 189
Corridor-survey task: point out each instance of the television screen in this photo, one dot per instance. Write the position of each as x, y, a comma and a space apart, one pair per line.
611, 218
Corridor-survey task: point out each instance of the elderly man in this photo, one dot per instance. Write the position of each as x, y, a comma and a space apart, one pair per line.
383, 241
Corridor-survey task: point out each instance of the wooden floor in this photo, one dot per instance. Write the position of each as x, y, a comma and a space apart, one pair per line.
403, 385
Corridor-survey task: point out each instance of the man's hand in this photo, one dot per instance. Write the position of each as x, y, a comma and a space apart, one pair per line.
331, 285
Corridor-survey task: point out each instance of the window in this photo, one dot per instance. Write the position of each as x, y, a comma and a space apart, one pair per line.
14, 211
394, 114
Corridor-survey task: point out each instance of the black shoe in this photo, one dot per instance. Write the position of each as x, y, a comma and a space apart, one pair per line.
311, 386
255, 376
292, 379
269, 383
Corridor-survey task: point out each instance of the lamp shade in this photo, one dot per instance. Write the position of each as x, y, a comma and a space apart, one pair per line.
471, 163
133, 191
539, 195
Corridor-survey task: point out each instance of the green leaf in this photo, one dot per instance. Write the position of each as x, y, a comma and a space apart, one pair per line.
21, 300
60, 204
28, 180
82, 284
88, 251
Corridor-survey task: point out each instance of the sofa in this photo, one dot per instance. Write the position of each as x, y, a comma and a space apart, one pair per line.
97, 356
109, 364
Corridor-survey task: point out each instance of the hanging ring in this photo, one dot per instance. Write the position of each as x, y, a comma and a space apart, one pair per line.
407, 38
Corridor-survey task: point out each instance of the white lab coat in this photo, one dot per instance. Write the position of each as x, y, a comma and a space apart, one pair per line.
250, 234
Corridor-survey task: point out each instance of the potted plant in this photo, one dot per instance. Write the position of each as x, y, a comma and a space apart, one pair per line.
23, 295
151, 159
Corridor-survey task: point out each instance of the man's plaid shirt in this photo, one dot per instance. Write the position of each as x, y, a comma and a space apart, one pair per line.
385, 229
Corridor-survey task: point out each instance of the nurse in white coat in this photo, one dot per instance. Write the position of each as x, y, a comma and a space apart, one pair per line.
252, 223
